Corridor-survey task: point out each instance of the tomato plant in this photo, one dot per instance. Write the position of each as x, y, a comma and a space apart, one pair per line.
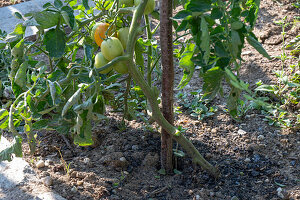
66, 93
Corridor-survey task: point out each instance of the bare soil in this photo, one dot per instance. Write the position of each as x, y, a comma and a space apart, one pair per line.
255, 159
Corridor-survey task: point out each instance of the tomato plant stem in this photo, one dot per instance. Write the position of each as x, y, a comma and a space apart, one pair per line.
149, 60
150, 93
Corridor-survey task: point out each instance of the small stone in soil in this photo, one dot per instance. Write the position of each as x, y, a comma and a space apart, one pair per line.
135, 147
260, 137
47, 181
79, 182
214, 131
234, 198
241, 132
40, 164
247, 160
86, 160
48, 163
73, 189
197, 197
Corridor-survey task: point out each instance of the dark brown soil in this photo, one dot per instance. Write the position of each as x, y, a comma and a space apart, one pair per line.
256, 160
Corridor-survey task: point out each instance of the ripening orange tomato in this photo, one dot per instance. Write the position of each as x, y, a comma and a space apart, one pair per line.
98, 32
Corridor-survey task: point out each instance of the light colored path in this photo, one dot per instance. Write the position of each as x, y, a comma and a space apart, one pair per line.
8, 21
16, 175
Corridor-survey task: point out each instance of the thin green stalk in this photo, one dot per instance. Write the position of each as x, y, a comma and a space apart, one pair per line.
149, 61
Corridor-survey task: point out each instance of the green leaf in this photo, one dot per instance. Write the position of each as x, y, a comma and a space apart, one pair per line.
233, 101
162, 171
41, 124
205, 40
257, 45
16, 149
3, 113
212, 82
177, 171
220, 50
55, 42
58, 3
236, 43
18, 15
86, 4
198, 5
20, 78
182, 14
52, 90
237, 25
99, 105
83, 128
46, 19
73, 100
139, 49
46, 5
19, 29
266, 88
216, 13
18, 50
188, 65
68, 15
88, 52
182, 26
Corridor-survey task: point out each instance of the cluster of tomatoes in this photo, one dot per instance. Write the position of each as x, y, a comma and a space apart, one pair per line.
111, 47
114, 45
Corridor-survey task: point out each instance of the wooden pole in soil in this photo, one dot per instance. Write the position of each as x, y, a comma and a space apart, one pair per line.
166, 42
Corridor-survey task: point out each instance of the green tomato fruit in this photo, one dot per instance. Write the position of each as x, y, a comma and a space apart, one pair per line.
123, 36
149, 7
100, 61
127, 3
112, 48
121, 67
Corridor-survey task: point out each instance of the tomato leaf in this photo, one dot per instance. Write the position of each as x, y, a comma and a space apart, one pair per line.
55, 42
68, 15
58, 3
198, 5
20, 78
15, 148
139, 49
205, 40
182, 15
46, 19
236, 43
73, 100
86, 4
257, 45
88, 52
188, 65
212, 82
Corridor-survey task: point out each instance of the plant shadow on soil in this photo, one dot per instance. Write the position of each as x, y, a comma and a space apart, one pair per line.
98, 173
